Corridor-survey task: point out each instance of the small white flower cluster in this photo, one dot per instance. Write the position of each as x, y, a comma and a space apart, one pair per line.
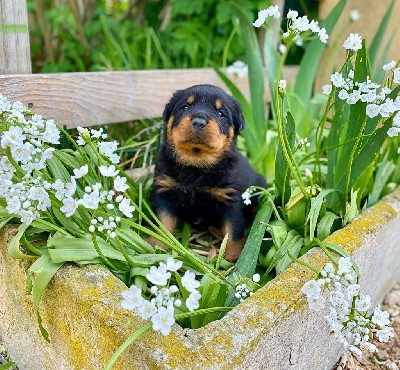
371, 93
353, 42
282, 87
247, 195
300, 28
272, 11
26, 141
243, 291
161, 308
107, 148
355, 15
102, 224
238, 68
348, 315
303, 142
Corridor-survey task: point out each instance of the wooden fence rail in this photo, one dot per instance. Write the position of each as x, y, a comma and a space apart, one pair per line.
96, 98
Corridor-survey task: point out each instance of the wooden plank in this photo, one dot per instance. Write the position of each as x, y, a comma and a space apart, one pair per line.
15, 54
96, 98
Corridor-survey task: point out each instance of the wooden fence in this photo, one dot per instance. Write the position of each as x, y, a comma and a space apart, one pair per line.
90, 98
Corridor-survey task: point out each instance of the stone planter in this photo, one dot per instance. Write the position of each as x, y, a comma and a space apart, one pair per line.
273, 329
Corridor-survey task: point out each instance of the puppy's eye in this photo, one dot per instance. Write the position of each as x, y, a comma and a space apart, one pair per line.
185, 107
221, 113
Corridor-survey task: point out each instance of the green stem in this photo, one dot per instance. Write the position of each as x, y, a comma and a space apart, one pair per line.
228, 44
353, 151
100, 253
147, 327
326, 251
300, 262
123, 251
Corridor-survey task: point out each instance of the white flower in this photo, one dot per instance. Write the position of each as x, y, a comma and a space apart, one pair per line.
282, 87
311, 289
69, 206
380, 318
246, 198
344, 265
393, 131
238, 68
396, 76
327, 89
385, 334
396, 120
343, 94
363, 303
355, 15
337, 80
108, 171
126, 208
282, 48
28, 216
353, 42
372, 110
256, 278
189, 281
80, 172
147, 309
163, 320
22, 153
158, 275
14, 136
192, 302
353, 290
132, 298
323, 36
13, 205
314, 27
6, 165
173, 265
301, 24
292, 14
52, 133
387, 67
272, 11
120, 184
90, 201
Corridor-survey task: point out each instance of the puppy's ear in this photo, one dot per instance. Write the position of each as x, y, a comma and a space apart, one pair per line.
237, 116
170, 106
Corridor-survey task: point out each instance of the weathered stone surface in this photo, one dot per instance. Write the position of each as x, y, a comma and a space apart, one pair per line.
272, 330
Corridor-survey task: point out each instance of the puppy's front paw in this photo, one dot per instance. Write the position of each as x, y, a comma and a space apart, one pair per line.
154, 242
233, 249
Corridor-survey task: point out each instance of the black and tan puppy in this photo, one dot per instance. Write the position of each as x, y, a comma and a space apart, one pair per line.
200, 175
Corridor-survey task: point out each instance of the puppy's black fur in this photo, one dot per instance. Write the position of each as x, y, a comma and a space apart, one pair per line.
200, 175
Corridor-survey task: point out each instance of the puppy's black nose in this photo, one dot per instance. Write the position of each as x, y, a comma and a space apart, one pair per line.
199, 123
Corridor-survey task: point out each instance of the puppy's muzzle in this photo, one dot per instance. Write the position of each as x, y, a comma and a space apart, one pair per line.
199, 123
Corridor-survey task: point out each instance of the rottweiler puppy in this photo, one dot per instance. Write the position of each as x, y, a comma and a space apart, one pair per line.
200, 175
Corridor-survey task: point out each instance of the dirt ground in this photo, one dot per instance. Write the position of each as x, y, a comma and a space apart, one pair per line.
388, 355
387, 358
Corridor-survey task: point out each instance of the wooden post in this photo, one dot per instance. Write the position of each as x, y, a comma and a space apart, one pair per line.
15, 56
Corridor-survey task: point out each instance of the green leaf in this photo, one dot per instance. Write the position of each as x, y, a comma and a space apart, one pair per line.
4, 221
316, 204
7, 365
342, 252
58, 170
282, 170
294, 247
14, 250
247, 261
326, 225
310, 61
377, 41
42, 270
352, 209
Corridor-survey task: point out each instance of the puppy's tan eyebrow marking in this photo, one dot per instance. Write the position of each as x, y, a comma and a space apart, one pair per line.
218, 104
190, 99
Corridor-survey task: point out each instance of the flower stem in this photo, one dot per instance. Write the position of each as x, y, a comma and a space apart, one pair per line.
300, 262
100, 253
326, 251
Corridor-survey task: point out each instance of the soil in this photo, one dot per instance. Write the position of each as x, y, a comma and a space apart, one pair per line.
388, 355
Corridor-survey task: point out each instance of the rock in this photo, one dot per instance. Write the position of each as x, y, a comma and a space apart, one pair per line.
393, 299
382, 355
390, 366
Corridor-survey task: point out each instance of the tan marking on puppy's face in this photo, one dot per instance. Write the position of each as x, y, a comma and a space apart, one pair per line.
223, 195
199, 148
190, 99
165, 183
218, 104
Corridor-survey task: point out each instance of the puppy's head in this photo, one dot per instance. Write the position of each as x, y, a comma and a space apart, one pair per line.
201, 124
